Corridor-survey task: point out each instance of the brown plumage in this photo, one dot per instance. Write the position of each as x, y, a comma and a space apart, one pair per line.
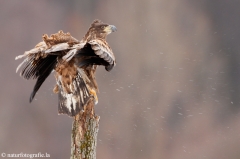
74, 62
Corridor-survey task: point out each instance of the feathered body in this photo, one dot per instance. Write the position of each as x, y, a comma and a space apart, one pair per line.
74, 63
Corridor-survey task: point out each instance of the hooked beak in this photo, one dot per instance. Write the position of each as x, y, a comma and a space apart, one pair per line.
113, 28
109, 29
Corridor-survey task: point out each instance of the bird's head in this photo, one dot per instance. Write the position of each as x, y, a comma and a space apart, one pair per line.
99, 29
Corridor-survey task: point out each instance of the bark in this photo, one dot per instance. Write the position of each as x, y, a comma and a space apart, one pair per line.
84, 134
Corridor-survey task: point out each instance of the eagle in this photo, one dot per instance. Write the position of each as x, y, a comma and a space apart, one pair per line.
74, 63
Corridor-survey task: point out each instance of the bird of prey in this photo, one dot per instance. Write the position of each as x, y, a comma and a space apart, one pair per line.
74, 63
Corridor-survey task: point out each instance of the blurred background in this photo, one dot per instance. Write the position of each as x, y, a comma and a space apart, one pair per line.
174, 93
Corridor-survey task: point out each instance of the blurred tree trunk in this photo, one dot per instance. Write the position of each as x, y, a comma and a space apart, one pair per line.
84, 134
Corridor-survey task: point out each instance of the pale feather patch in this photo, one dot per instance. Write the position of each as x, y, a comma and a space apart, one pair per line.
19, 66
68, 101
58, 47
69, 55
98, 52
102, 55
95, 47
78, 46
40, 47
73, 51
20, 56
71, 102
107, 58
101, 48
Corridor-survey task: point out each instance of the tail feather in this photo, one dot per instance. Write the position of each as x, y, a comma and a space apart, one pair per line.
72, 103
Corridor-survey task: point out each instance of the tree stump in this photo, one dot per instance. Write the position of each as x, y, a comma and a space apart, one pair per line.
84, 133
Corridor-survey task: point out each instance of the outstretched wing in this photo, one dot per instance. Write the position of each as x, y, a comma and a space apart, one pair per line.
40, 61
42, 72
38, 68
97, 52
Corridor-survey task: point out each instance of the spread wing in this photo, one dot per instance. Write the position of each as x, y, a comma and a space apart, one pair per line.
40, 61
39, 68
41, 72
38, 65
97, 52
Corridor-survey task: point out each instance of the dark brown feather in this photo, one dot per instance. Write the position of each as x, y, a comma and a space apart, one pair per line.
43, 72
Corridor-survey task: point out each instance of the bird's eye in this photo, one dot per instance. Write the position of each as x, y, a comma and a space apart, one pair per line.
102, 27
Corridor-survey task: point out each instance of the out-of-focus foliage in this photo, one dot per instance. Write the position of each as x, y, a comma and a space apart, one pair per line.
173, 94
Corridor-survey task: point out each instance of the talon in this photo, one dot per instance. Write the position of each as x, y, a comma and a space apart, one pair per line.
56, 89
93, 92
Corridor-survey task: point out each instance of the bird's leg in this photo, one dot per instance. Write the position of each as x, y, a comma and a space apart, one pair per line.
93, 92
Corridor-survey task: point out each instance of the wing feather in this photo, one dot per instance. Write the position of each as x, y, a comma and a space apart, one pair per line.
58, 47
43, 72
34, 68
99, 44
98, 48
39, 48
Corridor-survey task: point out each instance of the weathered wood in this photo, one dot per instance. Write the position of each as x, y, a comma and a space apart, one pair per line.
84, 134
